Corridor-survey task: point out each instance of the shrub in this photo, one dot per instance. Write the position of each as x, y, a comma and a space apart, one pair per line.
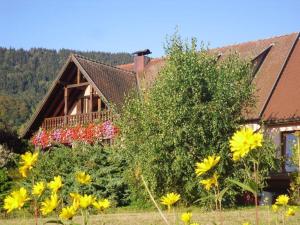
7, 170
192, 110
7, 157
5, 184
95, 160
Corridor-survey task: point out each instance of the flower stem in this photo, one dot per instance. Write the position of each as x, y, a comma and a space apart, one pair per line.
174, 215
255, 195
153, 200
35, 213
269, 217
35, 205
283, 219
220, 206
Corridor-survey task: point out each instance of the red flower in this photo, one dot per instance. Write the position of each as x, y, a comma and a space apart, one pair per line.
88, 134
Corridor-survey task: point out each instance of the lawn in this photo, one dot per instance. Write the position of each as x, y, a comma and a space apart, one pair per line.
231, 217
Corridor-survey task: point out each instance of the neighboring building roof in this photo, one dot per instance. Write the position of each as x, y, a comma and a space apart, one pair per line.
284, 104
111, 83
277, 51
270, 69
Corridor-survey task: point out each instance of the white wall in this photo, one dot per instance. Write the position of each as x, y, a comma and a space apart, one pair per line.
275, 133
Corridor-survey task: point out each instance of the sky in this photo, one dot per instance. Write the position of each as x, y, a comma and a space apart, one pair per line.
128, 26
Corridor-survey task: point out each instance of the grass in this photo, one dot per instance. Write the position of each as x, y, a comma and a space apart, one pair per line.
231, 217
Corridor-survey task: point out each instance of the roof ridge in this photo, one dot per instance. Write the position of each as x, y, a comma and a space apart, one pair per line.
258, 40
102, 63
125, 64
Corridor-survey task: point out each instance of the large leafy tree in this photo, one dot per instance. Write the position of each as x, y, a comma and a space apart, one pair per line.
194, 107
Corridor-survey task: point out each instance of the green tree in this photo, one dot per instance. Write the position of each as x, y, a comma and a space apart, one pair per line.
192, 110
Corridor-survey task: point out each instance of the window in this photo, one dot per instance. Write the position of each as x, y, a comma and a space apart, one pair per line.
95, 104
258, 60
289, 141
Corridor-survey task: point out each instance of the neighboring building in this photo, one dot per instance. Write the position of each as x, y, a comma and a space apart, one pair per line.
85, 90
277, 81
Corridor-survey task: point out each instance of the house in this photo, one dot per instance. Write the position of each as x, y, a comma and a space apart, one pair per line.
85, 90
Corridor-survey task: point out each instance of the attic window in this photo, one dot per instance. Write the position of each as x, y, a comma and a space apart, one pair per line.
258, 60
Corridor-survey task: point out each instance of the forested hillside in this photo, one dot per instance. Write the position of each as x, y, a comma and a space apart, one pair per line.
26, 75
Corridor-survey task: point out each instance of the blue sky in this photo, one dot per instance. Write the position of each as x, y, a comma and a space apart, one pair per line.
127, 26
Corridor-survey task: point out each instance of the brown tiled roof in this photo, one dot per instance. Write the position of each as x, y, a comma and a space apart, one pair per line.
269, 71
129, 66
114, 83
152, 69
110, 82
284, 103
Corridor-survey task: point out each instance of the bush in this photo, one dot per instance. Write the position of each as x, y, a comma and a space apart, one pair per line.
7, 170
193, 109
7, 157
5, 185
99, 162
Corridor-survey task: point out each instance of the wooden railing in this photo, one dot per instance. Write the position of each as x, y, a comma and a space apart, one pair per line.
72, 120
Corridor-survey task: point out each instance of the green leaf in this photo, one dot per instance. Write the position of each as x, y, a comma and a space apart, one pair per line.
54, 221
204, 198
253, 186
243, 186
221, 194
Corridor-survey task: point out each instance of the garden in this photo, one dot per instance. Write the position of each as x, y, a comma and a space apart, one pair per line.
181, 153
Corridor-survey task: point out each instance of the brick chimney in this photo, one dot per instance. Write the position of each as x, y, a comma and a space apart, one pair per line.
141, 60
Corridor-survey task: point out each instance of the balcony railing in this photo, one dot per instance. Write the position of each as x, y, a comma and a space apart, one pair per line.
72, 120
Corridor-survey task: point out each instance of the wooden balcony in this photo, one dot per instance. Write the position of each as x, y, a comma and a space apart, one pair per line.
72, 120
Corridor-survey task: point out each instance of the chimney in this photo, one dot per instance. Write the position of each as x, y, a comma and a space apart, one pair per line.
141, 60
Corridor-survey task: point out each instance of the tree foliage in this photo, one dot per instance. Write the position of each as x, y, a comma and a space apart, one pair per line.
104, 167
192, 110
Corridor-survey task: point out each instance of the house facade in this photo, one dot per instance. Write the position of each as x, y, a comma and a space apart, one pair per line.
86, 90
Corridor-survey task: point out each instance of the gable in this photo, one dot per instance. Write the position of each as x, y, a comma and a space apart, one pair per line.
110, 83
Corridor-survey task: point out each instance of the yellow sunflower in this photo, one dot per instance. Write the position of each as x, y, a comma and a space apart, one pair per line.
170, 199
186, 217
49, 204
67, 213
55, 184
16, 200
206, 164
243, 141
38, 188
83, 178
210, 182
282, 200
